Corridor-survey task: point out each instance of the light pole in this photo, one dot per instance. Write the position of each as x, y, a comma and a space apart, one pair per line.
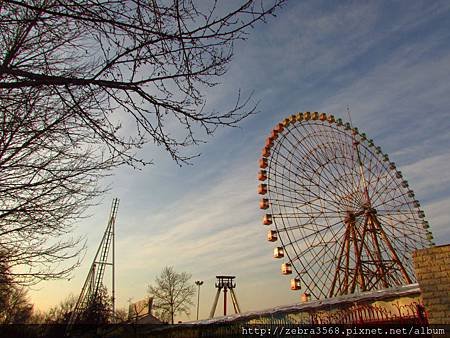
198, 283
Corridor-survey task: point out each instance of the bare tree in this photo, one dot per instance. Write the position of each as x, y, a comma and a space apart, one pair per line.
83, 86
60, 314
172, 294
120, 316
98, 310
15, 308
48, 176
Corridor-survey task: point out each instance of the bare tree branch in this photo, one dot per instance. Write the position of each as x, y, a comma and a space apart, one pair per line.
152, 60
73, 75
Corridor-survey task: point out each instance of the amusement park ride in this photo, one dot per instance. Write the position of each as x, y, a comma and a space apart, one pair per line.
345, 218
94, 280
225, 283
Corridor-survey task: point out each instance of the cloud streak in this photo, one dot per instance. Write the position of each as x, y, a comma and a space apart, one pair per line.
315, 56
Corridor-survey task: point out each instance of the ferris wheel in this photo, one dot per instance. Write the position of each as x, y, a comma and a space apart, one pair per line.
343, 215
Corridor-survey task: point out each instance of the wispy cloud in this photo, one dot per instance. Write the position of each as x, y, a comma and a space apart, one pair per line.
390, 62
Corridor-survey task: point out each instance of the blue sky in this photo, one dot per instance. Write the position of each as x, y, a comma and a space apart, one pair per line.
389, 61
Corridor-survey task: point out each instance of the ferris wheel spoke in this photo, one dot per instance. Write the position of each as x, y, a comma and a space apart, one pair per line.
304, 186
311, 152
404, 201
324, 265
395, 210
296, 173
371, 164
315, 204
314, 256
303, 170
375, 177
331, 157
305, 227
304, 202
298, 204
350, 159
320, 229
337, 184
311, 221
313, 283
389, 193
386, 188
293, 190
311, 239
410, 225
403, 226
376, 193
310, 215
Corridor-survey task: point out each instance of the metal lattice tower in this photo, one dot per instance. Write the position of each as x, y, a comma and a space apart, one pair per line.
94, 280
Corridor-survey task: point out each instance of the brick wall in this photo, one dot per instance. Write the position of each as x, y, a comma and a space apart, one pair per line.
432, 268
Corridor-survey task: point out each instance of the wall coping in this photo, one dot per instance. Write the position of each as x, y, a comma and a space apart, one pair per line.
405, 290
